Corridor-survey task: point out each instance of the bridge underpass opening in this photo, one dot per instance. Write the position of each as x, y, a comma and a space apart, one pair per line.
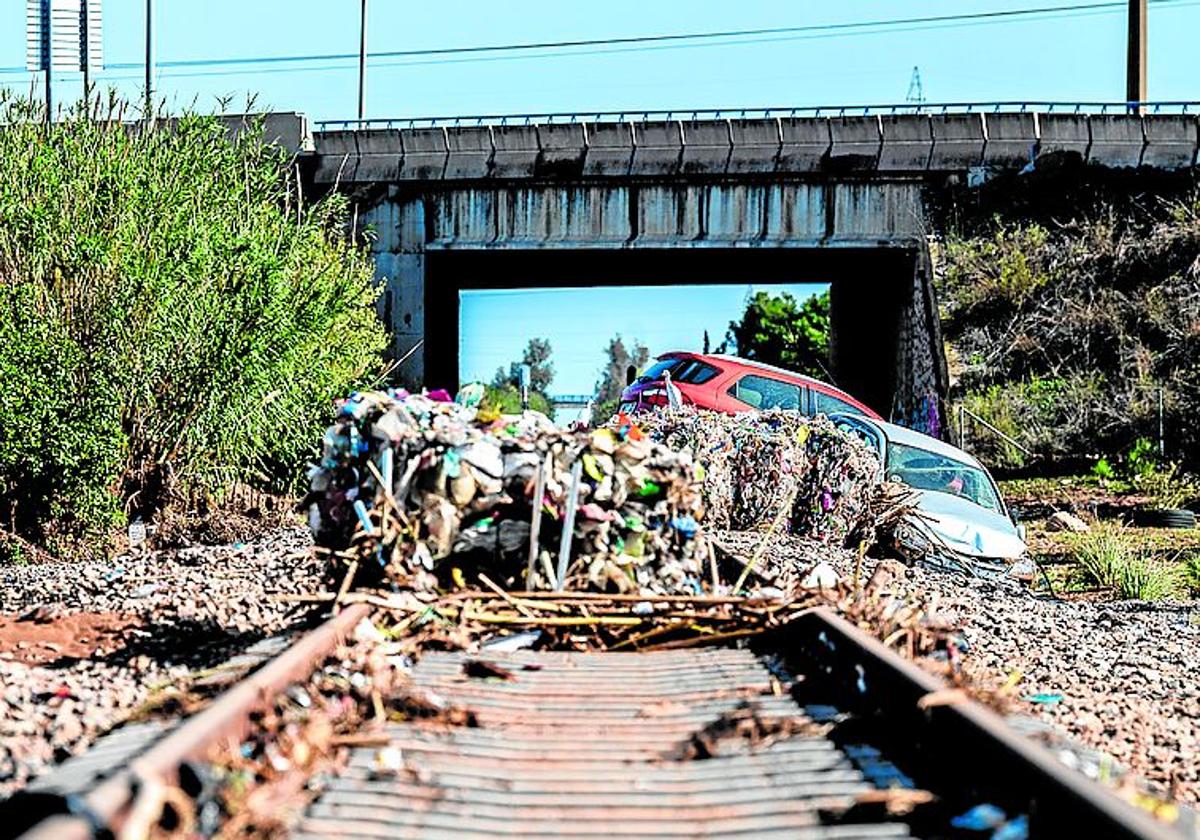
871, 290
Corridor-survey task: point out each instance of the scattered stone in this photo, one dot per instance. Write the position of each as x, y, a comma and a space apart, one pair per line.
821, 576
889, 574
1064, 521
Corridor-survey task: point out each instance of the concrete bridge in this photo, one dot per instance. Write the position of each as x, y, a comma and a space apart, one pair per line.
658, 198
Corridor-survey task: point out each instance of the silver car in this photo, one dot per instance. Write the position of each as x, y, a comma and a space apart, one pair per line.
961, 521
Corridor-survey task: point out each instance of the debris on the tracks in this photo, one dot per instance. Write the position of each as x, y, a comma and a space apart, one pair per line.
407, 480
759, 463
743, 729
389, 761
481, 669
983, 817
822, 576
897, 801
1048, 698
263, 781
471, 524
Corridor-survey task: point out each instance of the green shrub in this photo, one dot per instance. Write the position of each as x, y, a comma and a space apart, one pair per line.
172, 318
1046, 415
507, 400
999, 270
1140, 460
1191, 573
1108, 557
1088, 285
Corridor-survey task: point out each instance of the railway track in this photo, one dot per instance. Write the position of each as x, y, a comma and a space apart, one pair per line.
814, 730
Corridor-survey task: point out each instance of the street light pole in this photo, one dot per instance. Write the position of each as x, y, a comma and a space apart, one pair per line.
48, 59
149, 59
87, 54
362, 63
1135, 69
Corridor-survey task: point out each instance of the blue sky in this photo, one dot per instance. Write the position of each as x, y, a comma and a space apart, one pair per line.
1076, 56
1062, 56
495, 325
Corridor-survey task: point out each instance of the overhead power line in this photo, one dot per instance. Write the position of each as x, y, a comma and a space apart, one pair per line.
651, 41
659, 39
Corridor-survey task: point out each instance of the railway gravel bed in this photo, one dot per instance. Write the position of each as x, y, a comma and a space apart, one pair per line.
1119, 677
82, 646
1127, 672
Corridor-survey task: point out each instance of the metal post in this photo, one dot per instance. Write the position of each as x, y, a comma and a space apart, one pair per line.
149, 59
362, 63
568, 532
535, 525
1162, 446
1135, 68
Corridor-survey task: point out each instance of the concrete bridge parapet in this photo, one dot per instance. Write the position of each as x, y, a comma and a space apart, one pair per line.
867, 145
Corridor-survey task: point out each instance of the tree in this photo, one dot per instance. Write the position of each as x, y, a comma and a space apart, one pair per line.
537, 355
612, 376
507, 400
778, 330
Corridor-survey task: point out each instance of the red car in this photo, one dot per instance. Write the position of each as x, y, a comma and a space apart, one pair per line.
730, 384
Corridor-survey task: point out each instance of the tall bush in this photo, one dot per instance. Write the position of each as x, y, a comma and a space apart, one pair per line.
173, 317
1068, 331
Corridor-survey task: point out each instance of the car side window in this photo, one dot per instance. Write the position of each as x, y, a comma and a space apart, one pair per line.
763, 393
827, 404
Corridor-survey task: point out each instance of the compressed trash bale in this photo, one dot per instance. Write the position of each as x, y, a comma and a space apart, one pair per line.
757, 463
409, 486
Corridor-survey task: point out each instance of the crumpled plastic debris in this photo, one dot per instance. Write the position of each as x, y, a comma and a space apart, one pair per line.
822, 576
758, 462
408, 481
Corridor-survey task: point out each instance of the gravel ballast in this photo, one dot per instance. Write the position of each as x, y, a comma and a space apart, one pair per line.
1128, 672
182, 610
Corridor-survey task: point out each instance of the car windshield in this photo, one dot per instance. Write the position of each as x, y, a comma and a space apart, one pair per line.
927, 470
685, 370
656, 370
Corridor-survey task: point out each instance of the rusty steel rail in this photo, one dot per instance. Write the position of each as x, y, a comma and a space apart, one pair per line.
102, 811
961, 747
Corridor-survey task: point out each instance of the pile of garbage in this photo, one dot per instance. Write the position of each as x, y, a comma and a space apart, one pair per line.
762, 466
409, 480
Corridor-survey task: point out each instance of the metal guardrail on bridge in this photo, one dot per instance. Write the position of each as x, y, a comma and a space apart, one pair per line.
693, 114
571, 399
